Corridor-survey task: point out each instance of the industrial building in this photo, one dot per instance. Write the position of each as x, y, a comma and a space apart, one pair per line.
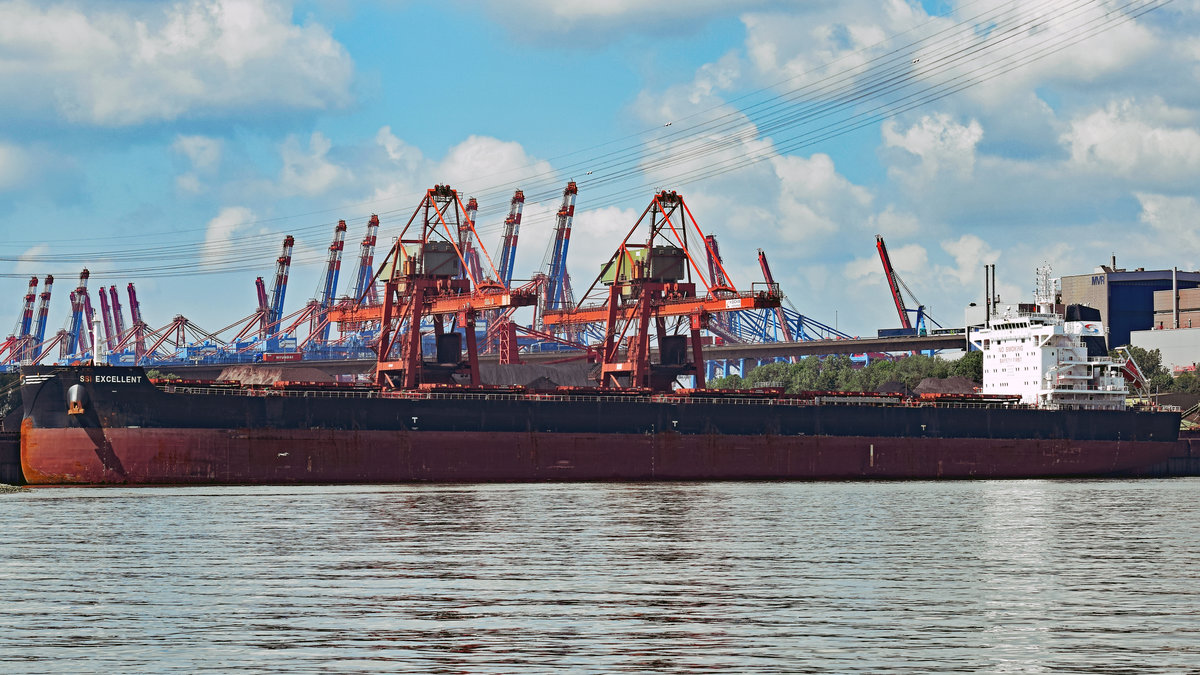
1126, 298
1176, 329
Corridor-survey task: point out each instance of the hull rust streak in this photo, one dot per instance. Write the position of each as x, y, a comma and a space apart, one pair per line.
132, 432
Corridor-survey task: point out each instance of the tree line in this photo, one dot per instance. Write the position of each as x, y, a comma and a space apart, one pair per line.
839, 373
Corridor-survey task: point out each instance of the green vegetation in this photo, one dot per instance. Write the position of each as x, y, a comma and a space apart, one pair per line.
838, 373
155, 374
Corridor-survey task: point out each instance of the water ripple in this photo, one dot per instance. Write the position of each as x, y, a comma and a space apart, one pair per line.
1019, 576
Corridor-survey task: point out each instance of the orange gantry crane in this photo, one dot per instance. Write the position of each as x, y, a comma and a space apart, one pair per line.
427, 276
653, 283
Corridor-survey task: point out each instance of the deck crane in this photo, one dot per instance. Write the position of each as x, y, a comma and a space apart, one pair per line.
895, 283
508, 245
651, 283
421, 281
319, 326
558, 295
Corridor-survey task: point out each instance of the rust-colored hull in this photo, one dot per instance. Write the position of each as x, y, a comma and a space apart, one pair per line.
112, 426
164, 456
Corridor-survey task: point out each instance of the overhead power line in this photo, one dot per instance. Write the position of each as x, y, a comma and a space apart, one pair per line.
934, 60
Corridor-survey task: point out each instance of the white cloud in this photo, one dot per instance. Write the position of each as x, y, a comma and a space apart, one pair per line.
482, 161
310, 172
1150, 141
814, 199
807, 46
603, 21
28, 262
970, 253
107, 67
1174, 222
202, 151
230, 223
943, 149
14, 163
203, 154
892, 222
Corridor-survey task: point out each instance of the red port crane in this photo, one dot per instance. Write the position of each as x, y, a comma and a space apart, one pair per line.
282, 265
652, 283
365, 290
780, 317
893, 282
558, 295
118, 320
138, 327
110, 339
508, 244
422, 280
39, 327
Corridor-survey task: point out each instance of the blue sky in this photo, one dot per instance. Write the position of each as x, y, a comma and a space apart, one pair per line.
175, 144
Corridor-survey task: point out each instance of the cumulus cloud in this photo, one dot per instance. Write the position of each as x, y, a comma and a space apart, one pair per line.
807, 46
941, 147
203, 155
231, 223
1150, 141
144, 63
1173, 222
484, 160
36, 171
587, 24
815, 199
30, 261
203, 152
310, 172
13, 166
970, 253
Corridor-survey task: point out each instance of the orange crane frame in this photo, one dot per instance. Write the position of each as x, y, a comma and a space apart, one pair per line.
657, 299
412, 292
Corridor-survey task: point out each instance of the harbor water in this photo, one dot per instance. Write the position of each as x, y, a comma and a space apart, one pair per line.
914, 577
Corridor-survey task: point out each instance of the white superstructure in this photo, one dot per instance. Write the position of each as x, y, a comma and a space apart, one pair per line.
1043, 358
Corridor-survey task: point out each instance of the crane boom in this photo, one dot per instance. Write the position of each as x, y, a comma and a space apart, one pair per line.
364, 286
39, 329
282, 265
118, 320
508, 245
893, 282
780, 316
558, 283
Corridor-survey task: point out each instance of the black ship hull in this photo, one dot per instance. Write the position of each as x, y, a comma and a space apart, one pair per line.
125, 430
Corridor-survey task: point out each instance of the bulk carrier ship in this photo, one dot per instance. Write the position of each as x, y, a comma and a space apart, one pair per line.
433, 420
